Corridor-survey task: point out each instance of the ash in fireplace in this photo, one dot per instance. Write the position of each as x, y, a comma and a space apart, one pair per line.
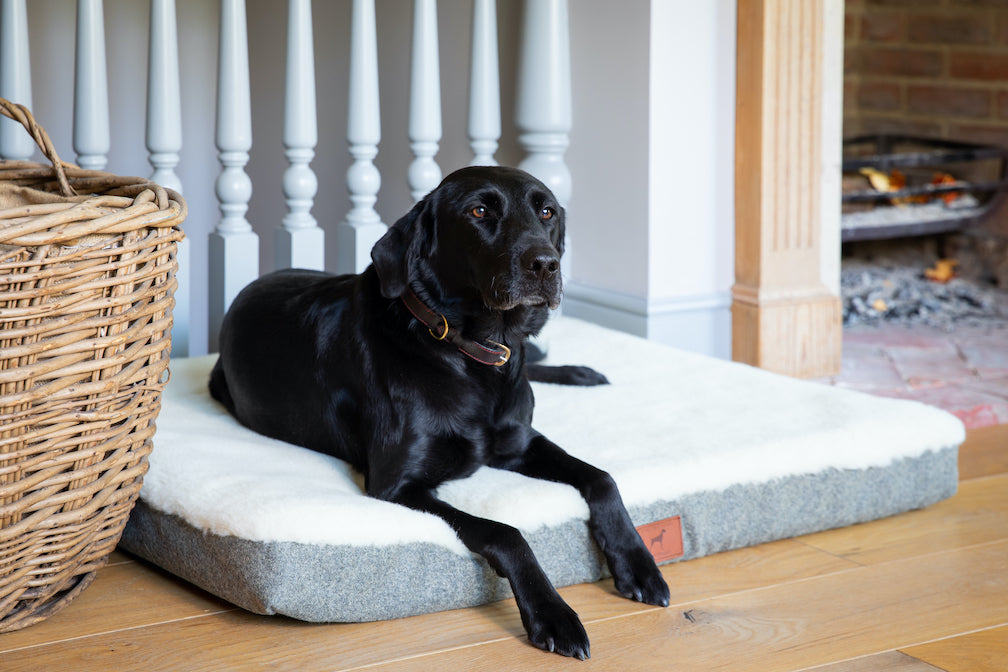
878, 291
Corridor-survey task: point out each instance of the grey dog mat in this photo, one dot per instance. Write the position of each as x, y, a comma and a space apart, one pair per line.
716, 455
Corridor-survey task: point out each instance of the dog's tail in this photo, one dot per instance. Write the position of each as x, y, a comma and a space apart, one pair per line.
219, 388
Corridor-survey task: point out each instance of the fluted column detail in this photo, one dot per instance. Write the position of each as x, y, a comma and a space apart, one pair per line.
784, 318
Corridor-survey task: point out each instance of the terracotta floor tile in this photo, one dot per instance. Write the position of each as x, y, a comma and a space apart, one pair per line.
963, 371
988, 359
867, 367
997, 387
895, 335
930, 366
974, 407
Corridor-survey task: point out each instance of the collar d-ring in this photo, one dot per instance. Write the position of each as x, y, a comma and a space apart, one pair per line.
444, 334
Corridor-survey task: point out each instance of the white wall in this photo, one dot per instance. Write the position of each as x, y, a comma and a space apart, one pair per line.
650, 155
659, 257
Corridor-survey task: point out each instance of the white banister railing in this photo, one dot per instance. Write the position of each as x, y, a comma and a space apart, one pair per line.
300, 242
543, 104
91, 134
542, 117
362, 227
425, 100
15, 77
164, 142
484, 85
233, 246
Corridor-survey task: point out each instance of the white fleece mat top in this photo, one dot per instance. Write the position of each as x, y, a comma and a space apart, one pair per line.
671, 423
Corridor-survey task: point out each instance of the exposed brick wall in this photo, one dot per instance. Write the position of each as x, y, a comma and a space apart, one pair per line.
937, 68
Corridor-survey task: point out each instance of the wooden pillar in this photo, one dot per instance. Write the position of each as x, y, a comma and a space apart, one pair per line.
784, 316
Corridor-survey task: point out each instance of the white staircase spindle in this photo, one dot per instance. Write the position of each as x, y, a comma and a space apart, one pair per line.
543, 105
91, 134
484, 85
164, 142
425, 100
300, 243
233, 246
164, 104
15, 78
363, 227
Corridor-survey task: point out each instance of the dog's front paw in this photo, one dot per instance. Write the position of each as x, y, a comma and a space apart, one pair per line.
637, 577
555, 627
584, 376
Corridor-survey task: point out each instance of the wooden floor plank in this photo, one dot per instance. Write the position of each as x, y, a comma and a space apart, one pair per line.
984, 453
125, 594
890, 661
985, 651
241, 639
787, 627
977, 514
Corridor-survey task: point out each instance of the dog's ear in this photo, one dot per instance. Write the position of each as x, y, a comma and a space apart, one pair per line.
390, 253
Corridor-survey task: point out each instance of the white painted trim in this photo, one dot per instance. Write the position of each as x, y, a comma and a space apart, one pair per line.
699, 322
644, 306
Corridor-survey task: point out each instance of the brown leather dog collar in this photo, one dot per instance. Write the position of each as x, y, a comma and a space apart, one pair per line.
493, 354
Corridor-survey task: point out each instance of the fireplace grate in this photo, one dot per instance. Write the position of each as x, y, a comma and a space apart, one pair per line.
902, 185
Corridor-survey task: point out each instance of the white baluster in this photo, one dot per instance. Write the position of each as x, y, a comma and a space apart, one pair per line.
425, 100
164, 142
91, 108
362, 227
484, 85
164, 103
543, 105
15, 78
300, 243
233, 248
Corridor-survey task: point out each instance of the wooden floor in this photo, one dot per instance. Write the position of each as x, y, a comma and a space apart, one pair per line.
924, 591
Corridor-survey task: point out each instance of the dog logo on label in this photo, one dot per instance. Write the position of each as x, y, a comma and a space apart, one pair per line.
663, 538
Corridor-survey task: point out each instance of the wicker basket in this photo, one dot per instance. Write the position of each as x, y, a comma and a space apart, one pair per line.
87, 275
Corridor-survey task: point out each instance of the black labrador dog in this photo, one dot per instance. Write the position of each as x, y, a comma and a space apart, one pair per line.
414, 372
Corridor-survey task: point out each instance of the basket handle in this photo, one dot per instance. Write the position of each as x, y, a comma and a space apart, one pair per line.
21, 114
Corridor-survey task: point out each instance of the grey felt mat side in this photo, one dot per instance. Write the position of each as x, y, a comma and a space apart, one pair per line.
326, 583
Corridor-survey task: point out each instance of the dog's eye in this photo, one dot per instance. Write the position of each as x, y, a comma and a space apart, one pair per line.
547, 213
478, 212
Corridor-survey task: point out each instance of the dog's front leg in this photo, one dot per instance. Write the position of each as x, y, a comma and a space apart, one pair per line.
549, 622
633, 567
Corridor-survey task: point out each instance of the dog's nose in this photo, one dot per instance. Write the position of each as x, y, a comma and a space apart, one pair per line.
542, 264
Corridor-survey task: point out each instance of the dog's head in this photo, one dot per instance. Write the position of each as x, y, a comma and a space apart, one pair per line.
489, 233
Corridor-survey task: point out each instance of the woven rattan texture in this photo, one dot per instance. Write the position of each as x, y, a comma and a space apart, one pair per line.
86, 292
